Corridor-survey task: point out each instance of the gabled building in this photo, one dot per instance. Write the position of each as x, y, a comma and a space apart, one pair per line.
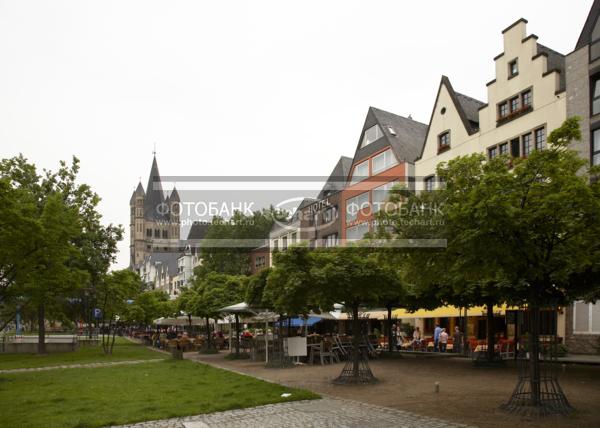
525, 101
387, 149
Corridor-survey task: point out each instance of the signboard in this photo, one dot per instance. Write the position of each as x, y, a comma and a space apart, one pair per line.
97, 313
296, 346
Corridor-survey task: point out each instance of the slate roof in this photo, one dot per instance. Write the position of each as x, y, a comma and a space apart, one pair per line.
137, 192
154, 195
586, 32
198, 230
174, 196
410, 134
338, 177
555, 61
467, 108
163, 261
470, 107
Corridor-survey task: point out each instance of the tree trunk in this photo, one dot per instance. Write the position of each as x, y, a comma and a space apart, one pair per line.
534, 353
208, 335
237, 332
465, 328
41, 329
112, 344
355, 341
490, 332
389, 328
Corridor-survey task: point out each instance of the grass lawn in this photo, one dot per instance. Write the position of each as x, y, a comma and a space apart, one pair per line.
97, 397
123, 350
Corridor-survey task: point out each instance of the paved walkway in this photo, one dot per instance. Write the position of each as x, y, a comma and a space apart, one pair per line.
323, 413
79, 366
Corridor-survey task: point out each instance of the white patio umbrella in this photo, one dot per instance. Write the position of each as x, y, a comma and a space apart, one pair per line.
266, 316
165, 321
237, 309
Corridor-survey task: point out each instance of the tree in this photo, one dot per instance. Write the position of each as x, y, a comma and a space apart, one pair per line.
227, 244
113, 293
210, 293
354, 276
524, 231
49, 226
149, 306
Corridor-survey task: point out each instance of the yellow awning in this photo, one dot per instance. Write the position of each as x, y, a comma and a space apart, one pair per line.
449, 311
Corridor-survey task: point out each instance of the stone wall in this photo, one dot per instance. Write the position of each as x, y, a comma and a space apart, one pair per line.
578, 96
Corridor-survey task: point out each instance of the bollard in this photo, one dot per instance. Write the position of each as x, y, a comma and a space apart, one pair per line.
436, 387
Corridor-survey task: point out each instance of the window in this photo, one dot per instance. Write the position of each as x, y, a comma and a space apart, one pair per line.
156, 233
294, 238
165, 234
149, 233
513, 68
330, 214
372, 134
515, 150
596, 95
356, 204
586, 318
380, 195
596, 147
284, 243
503, 148
275, 244
502, 110
527, 144
444, 141
357, 232
331, 240
361, 171
429, 183
526, 98
514, 104
383, 161
493, 152
540, 138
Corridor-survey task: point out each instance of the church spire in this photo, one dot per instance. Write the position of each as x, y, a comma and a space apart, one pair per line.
155, 198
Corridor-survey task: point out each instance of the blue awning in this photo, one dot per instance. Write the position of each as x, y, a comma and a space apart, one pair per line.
300, 322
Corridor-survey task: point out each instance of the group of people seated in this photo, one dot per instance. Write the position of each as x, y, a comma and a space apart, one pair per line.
441, 341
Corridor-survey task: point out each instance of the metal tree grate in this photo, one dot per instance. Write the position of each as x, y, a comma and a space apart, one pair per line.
552, 400
363, 375
279, 358
356, 369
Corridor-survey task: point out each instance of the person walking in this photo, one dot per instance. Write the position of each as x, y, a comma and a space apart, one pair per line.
443, 340
436, 337
457, 340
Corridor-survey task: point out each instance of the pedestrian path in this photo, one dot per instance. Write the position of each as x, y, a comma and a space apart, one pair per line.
79, 366
322, 413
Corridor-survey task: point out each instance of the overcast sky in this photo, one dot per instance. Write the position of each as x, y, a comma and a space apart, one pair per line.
236, 87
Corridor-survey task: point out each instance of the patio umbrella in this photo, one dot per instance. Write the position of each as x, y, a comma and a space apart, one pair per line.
237, 309
266, 317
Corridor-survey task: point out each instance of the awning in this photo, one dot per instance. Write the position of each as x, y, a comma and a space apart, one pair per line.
301, 322
369, 315
448, 312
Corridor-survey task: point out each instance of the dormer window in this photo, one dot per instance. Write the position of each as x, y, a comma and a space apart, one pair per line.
443, 141
361, 171
372, 134
513, 68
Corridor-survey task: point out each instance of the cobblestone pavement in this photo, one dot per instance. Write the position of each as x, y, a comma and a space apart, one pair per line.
78, 366
322, 413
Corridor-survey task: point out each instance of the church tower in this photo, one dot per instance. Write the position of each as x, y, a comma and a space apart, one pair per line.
154, 225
